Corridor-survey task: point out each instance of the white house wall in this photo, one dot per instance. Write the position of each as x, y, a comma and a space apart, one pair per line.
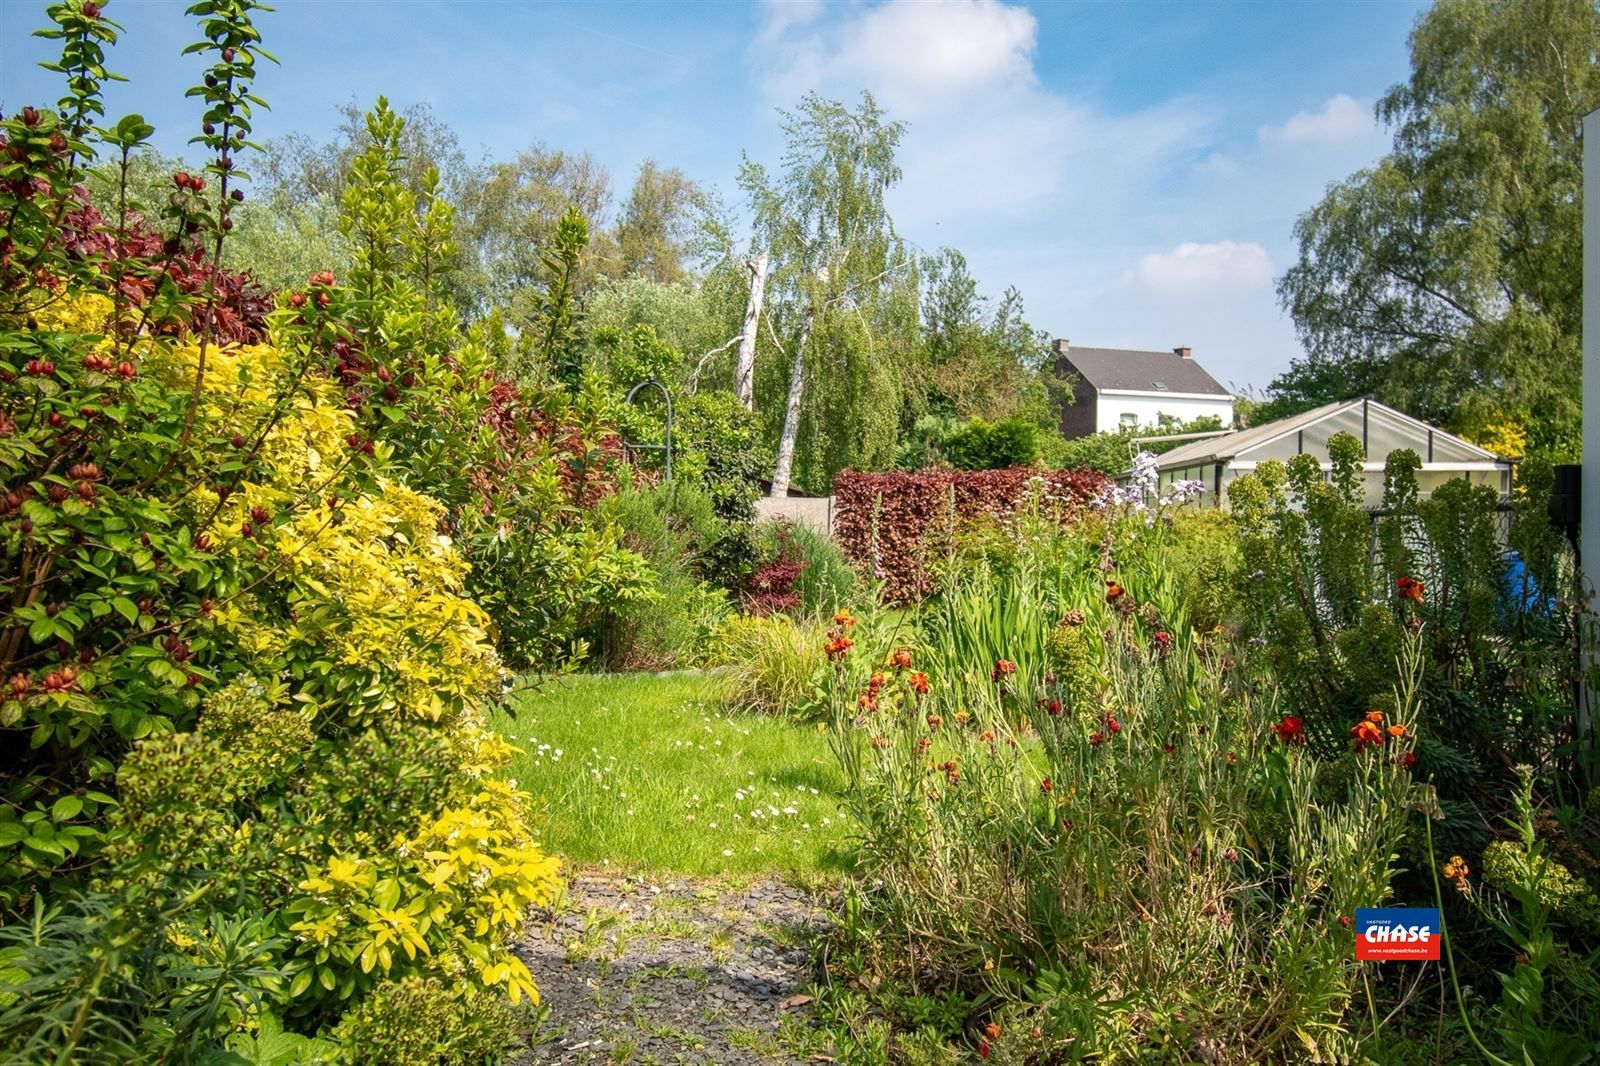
1148, 408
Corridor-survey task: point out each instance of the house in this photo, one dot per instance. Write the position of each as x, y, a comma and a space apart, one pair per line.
1120, 388
1216, 461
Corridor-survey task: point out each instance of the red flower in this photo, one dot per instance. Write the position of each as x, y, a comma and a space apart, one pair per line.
934, 721
918, 682
1112, 724
983, 1049
1408, 759
1114, 591
1054, 707
987, 734
1046, 786
1291, 730
875, 682
1168, 748
1003, 668
1163, 641
838, 645
1096, 739
1410, 589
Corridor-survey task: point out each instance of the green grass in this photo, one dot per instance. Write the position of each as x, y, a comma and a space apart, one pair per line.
647, 772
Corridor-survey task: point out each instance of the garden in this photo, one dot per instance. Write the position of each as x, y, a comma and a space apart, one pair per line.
383, 685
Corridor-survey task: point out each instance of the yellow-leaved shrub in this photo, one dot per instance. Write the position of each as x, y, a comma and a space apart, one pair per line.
345, 765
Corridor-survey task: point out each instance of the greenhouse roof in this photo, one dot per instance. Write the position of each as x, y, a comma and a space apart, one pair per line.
1380, 428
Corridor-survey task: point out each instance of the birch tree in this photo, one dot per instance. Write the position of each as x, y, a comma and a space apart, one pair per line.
842, 306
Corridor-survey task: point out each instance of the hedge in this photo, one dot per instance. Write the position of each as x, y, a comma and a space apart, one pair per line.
890, 523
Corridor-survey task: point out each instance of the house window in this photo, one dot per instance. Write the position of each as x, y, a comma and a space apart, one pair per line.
1129, 420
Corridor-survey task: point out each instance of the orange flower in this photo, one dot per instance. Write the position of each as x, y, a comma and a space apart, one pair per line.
1114, 591
1366, 734
918, 682
987, 734
992, 1031
1456, 868
934, 721
1397, 731
1002, 668
900, 658
868, 700
1410, 589
844, 618
880, 742
1375, 717
838, 646
875, 682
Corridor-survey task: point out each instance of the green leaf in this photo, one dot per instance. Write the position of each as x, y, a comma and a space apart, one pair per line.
126, 608
66, 808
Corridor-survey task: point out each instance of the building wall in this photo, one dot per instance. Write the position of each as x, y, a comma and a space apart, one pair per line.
1147, 410
1078, 417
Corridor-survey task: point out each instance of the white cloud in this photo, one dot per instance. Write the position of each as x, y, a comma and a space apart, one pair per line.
984, 137
782, 14
1341, 118
1218, 165
916, 55
1193, 266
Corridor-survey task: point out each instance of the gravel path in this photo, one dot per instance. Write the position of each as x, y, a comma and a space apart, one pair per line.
674, 971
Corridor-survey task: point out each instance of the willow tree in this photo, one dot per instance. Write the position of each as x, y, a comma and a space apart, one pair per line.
1447, 278
842, 292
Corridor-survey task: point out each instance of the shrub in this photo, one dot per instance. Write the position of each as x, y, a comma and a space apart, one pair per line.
775, 662
522, 469
259, 784
894, 526
980, 445
674, 527
801, 571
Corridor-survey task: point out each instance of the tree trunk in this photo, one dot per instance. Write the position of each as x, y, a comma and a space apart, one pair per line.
791, 414
744, 372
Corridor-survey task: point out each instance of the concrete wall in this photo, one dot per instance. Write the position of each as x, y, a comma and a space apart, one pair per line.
813, 511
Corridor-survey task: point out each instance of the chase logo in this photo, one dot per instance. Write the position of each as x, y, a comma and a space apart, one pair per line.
1397, 933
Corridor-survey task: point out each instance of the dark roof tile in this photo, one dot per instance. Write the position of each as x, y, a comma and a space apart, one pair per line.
1126, 368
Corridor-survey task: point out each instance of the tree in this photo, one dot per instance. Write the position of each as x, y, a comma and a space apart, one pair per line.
657, 223
1447, 279
984, 362
512, 220
843, 289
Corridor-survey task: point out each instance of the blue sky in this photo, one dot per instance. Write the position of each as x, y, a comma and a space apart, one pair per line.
1135, 168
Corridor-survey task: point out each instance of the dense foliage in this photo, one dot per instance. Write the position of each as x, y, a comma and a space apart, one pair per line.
252, 803
897, 526
1121, 784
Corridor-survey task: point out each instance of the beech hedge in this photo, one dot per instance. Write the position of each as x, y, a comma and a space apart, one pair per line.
895, 524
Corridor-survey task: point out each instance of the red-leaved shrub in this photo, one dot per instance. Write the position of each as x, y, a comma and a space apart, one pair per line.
891, 523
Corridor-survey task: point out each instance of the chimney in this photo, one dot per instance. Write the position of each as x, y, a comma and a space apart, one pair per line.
1184, 353
1063, 346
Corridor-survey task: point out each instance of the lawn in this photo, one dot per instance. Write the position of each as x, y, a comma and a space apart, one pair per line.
647, 772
